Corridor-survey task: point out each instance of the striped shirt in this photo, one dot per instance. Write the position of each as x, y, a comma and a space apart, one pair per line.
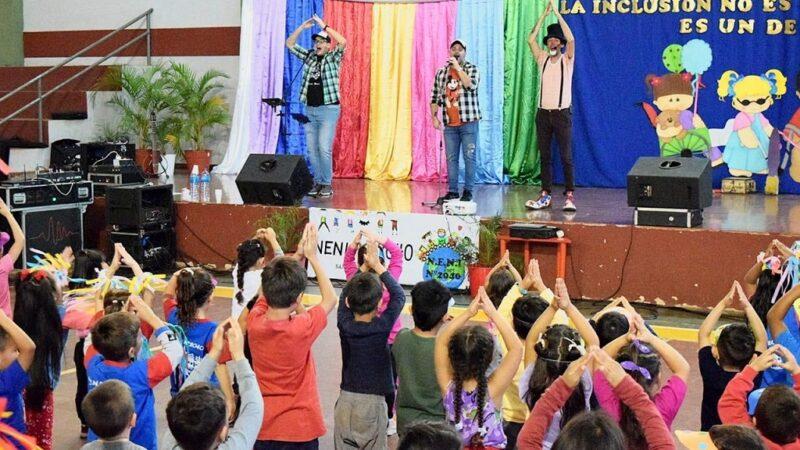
330, 65
468, 107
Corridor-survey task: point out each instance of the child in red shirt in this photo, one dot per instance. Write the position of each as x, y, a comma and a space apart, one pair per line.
281, 333
777, 414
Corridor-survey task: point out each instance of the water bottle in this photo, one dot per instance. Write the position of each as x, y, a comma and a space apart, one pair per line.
205, 187
194, 185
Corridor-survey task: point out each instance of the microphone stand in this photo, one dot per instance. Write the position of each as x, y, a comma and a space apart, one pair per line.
276, 103
438, 202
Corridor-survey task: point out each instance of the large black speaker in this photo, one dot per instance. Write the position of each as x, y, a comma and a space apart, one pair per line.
137, 207
274, 179
678, 183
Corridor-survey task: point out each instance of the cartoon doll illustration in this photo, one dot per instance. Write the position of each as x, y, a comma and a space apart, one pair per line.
678, 128
792, 134
442, 237
754, 145
394, 227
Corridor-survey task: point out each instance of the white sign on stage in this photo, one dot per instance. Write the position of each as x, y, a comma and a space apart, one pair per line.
434, 246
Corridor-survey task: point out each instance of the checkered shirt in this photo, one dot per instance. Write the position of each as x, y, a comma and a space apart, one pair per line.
468, 108
331, 63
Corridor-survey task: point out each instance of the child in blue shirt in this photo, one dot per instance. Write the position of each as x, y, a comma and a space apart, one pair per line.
186, 298
110, 355
13, 369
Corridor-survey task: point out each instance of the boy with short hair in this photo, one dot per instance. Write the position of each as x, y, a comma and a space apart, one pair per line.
108, 410
361, 416
776, 413
722, 360
198, 416
111, 348
418, 393
14, 369
281, 333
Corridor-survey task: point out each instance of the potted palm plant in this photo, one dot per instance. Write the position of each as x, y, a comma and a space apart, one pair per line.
143, 91
488, 252
198, 105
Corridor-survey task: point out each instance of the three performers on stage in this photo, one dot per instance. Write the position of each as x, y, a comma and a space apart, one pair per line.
455, 95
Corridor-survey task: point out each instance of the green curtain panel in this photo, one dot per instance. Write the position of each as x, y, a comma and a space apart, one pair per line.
520, 154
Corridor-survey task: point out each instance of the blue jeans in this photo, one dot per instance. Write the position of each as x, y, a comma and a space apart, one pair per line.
464, 137
320, 131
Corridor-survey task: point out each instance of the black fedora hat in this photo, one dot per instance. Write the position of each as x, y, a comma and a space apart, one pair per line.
554, 31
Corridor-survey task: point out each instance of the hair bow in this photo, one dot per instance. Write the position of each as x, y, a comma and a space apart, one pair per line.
575, 346
631, 366
37, 275
643, 349
774, 264
773, 82
735, 78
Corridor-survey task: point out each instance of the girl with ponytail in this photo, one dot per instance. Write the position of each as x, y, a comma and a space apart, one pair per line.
251, 257
549, 350
37, 312
640, 353
186, 300
462, 355
247, 274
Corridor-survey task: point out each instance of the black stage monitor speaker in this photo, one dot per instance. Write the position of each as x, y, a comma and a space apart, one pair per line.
679, 183
274, 179
135, 207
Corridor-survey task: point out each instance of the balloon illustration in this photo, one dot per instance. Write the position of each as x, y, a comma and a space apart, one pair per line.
672, 58
696, 56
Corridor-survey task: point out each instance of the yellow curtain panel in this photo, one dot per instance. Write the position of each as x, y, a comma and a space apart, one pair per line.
389, 143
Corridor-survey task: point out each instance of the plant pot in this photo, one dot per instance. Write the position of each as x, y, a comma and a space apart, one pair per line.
199, 158
144, 159
167, 168
477, 277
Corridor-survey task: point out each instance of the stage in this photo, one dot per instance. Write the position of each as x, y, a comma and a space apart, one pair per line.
608, 256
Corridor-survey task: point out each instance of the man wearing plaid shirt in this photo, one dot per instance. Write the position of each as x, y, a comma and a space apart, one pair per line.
320, 93
455, 89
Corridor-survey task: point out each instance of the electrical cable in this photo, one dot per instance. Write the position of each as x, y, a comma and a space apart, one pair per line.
212, 249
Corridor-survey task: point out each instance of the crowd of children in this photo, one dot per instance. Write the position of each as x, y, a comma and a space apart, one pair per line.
521, 367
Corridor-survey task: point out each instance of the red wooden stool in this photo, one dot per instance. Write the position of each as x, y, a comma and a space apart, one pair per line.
561, 251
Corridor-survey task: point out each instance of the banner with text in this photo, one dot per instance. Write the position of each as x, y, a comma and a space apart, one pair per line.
434, 246
633, 94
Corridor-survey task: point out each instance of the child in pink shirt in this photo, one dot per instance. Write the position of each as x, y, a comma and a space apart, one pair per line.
10, 257
640, 354
395, 268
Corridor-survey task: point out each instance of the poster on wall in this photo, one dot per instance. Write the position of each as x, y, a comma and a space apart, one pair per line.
434, 246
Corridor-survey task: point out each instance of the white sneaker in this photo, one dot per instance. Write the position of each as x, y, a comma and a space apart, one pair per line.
391, 430
569, 203
544, 201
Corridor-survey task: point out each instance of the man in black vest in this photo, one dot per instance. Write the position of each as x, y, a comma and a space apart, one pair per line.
556, 62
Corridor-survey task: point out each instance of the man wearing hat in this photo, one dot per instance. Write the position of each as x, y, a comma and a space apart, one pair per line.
556, 62
320, 93
455, 90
